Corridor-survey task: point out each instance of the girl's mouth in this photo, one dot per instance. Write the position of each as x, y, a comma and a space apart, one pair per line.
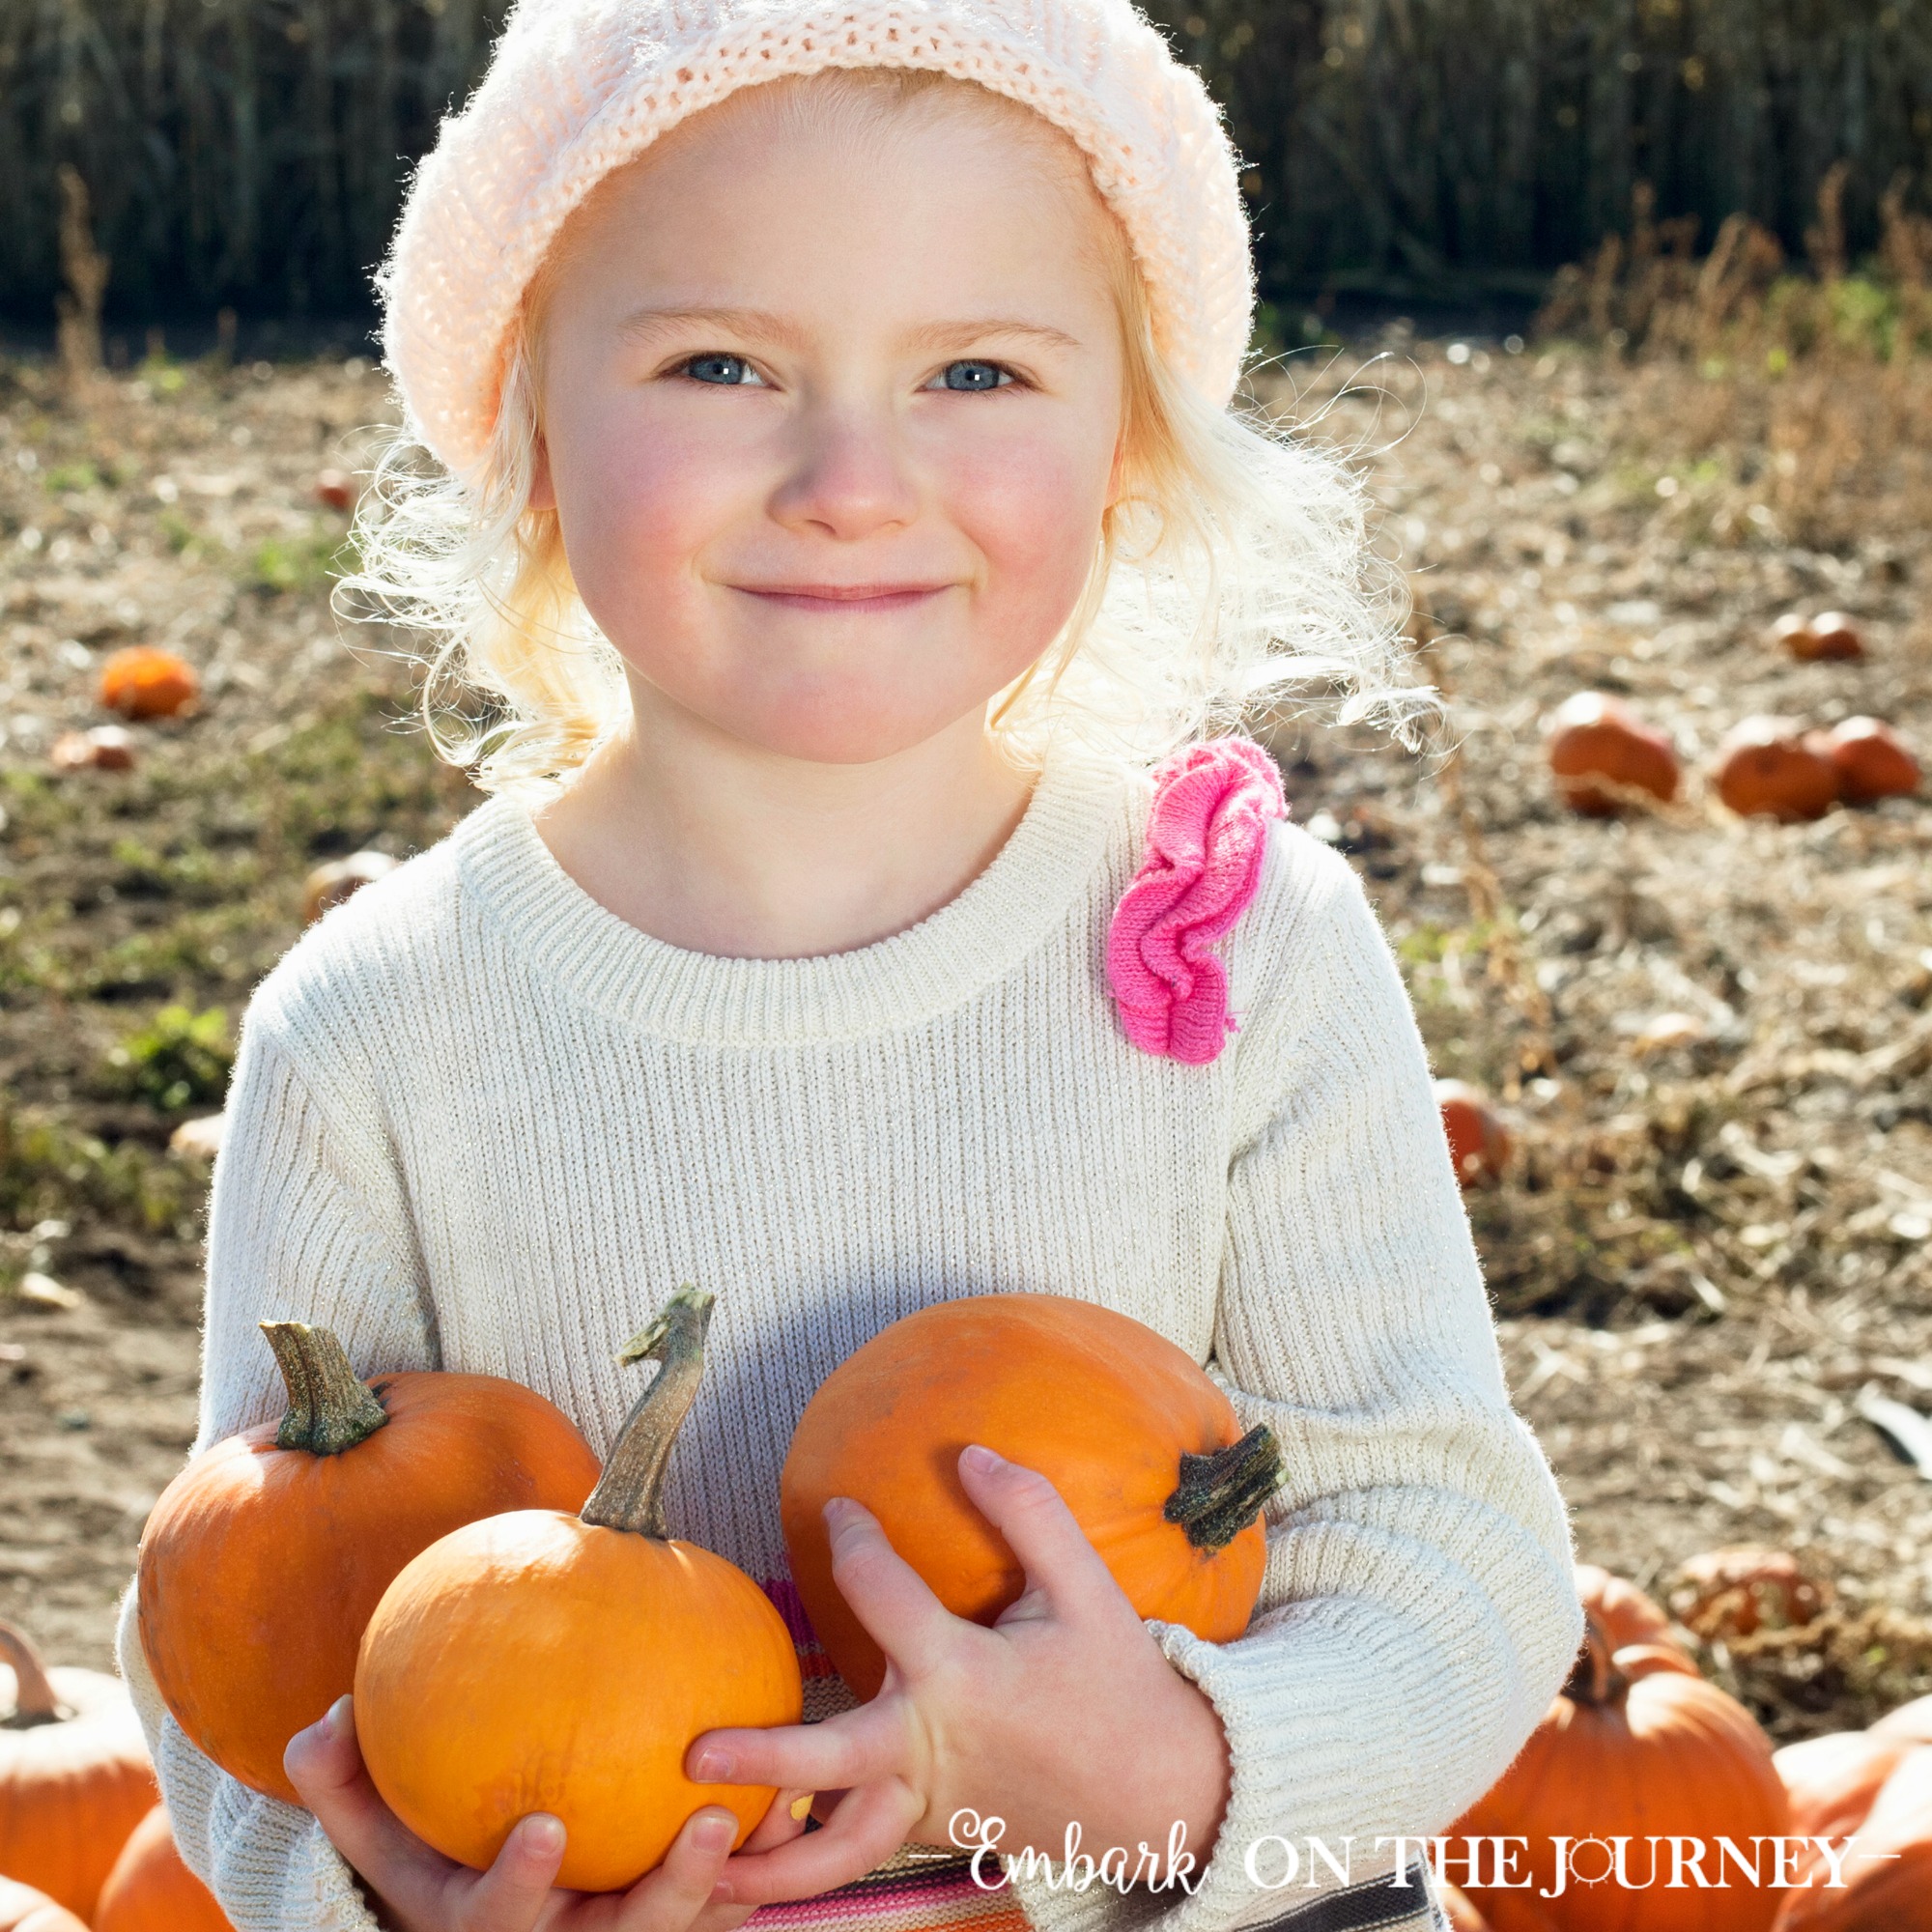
842, 596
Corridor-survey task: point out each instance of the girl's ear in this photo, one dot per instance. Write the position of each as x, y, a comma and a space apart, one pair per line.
542, 496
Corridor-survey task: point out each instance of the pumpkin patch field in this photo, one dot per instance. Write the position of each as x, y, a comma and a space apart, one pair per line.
1693, 1036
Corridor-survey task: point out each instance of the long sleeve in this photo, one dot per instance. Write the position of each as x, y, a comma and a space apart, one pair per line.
1418, 1609
306, 1221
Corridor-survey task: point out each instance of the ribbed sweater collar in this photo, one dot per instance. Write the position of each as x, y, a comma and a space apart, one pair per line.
1046, 872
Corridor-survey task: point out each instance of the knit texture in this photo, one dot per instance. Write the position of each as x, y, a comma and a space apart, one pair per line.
479, 1123
577, 88
1206, 837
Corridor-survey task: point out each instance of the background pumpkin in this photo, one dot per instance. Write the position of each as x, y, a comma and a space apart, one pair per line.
1834, 1780
1872, 761
546, 1661
74, 1777
1911, 1721
22, 1909
144, 681
1605, 758
1765, 766
150, 1890
261, 1561
1479, 1142
1143, 1446
1651, 1751
1732, 1593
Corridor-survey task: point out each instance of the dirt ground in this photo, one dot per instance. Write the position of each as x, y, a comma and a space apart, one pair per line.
1702, 1253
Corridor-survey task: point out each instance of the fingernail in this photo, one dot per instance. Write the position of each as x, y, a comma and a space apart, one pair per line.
713, 1765
336, 1716
542, 1835
839, 1510
979, 1457
802, 1804
714, 1834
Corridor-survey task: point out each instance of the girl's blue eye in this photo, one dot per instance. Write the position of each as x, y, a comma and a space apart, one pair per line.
975, 376
722, 369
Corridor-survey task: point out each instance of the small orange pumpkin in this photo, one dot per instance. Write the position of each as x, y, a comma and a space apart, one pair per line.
74, 1777
335, 489
1834, 1780
1887, 1866
1479, 1142
145, 681
1732, 1593
1627, 1615
263, 1560
543, 1661
1834, 637
1142, 1445
150, 1890
1765, 766
1632, 1753
22, 1909
1603, 757
1872, 760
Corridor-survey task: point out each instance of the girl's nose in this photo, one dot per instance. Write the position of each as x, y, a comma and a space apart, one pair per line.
849, 478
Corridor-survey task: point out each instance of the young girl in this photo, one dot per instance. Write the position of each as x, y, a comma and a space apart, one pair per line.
836, 511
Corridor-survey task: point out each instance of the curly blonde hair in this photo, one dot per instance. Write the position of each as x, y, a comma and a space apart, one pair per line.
1233, 573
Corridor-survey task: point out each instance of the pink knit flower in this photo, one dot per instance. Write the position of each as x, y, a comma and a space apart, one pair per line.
1206, 836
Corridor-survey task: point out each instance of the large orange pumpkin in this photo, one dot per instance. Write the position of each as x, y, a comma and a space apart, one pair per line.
1627, 1615
1886, 1868
264, 1557
22, 1909
1143, 1448
150, 1890
1603, 757
1646, 1750
74, 1778
1834, 1780
145, 681
542, 1661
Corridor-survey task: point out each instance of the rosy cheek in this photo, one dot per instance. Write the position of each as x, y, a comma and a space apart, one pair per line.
1031, 506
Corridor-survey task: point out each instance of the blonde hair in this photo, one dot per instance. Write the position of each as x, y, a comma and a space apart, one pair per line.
1234, 573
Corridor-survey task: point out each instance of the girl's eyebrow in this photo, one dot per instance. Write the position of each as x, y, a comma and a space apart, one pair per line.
764, 326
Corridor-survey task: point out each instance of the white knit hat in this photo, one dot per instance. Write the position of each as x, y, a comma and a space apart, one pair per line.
579, 87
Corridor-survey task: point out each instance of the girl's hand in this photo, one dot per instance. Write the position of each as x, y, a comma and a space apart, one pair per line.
417, 1889
1064, 1712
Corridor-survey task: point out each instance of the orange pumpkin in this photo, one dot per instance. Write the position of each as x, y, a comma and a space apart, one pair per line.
1142, 1445
1766, 766
1834, 1780
335, 489
1910, 1721
145, 681
74, 1778
1636, 1754
1479, 1144
1886, 1868
150, 1890
542, 1661
1872, 761
22, 1909
263, 1560
1627, 1615
1833, 636
328, 885
1732, 1593
1603, 757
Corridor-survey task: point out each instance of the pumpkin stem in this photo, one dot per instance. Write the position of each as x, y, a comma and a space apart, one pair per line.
34, 1699
1218, 1495
330, 1407
1594, 1678
630, 1493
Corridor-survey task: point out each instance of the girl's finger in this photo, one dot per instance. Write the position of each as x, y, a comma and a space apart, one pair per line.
868, 1827
781, 1823
511, 1895
1059, 1559
325, 1765
672, 1897
855, 1748
886, 1594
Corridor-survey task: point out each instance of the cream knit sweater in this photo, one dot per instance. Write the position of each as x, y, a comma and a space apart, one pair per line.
479, 1123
